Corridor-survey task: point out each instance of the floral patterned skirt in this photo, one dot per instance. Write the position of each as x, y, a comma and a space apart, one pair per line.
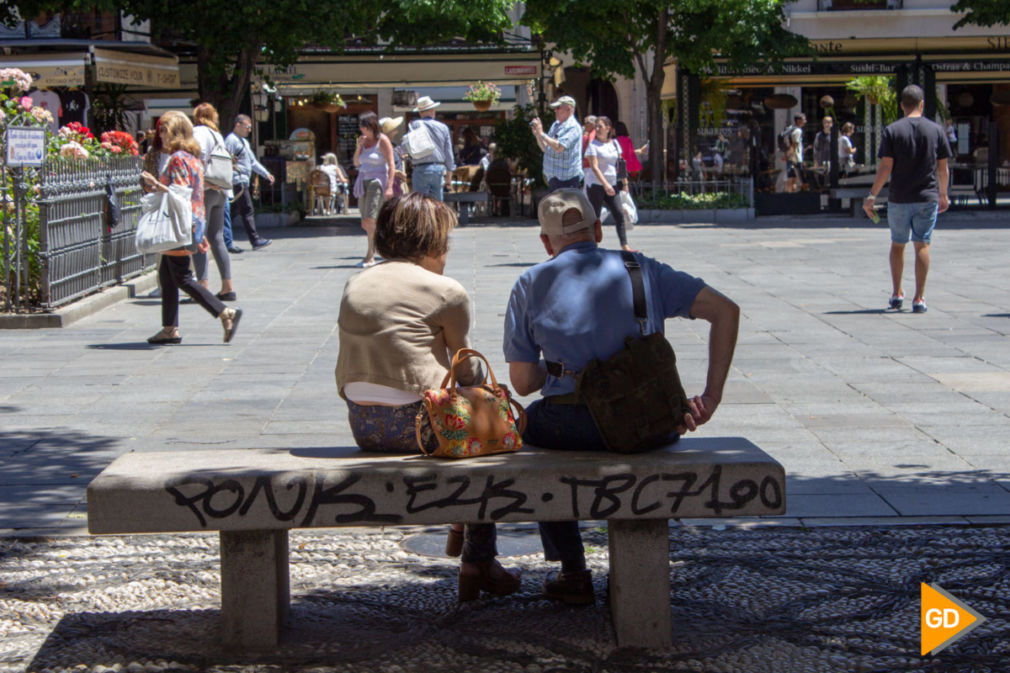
390, 429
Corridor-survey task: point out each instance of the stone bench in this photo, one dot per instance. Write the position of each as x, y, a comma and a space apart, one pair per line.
855, 196
253, 497
464, 200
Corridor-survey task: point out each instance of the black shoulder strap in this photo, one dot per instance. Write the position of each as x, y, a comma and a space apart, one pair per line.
637, 289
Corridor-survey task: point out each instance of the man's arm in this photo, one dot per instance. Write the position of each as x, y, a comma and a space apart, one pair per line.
883, 173
450, 160
942, 178
724, 315
527, 377
260, 168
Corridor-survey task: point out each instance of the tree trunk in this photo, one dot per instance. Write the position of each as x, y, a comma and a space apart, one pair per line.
654, 101
226, 93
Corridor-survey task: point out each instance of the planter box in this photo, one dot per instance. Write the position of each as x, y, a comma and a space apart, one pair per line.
701, 216
268, 220
797, 203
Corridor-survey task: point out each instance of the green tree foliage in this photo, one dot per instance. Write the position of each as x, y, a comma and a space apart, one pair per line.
982, 12
231, 39
620, 37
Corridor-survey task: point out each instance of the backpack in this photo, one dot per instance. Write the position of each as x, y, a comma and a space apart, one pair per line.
218, 169
418, 143
784, 143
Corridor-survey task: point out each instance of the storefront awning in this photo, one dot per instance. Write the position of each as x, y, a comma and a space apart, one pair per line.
394, 70
49, 70
119, 67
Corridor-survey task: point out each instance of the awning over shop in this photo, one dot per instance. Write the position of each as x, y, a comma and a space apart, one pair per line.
395, 70
120, 67
51, 69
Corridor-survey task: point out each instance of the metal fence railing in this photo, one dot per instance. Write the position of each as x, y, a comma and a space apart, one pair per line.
71, 252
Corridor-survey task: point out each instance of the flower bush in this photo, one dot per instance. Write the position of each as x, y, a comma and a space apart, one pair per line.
15, 109
119, 143
483, 91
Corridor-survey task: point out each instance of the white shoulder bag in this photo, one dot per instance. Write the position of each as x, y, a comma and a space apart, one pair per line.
418, 142
166, 220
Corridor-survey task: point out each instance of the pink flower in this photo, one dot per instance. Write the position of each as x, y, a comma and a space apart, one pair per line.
454, 422
26, 102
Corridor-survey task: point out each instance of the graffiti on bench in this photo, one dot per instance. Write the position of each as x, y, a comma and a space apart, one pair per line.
315, 499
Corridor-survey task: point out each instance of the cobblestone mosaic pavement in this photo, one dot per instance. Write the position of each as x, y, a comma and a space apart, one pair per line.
768, 600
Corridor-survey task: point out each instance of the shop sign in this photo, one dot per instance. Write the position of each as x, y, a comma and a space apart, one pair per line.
25, 146
971, 66
520, 70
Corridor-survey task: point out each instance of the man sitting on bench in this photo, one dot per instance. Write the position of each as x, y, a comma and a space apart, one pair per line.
578, 306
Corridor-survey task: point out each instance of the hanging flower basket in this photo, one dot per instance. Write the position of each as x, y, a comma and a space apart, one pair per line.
483, 95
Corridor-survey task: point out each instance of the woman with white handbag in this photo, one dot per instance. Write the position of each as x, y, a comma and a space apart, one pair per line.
216, 162
185, 171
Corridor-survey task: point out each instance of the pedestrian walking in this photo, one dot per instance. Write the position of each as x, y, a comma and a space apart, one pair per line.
376, 172
245, 165
433, 174
913, 154
601, 179
184, 168
215, 202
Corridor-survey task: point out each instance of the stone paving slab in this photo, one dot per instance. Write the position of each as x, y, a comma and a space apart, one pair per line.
843, 393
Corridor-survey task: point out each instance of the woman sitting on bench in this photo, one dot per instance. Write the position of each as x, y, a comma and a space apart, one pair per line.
400, 322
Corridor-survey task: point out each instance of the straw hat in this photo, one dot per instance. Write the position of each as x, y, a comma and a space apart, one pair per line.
390, 124
425, 103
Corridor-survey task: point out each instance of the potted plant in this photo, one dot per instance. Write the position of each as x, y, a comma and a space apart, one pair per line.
327, 101
483, 95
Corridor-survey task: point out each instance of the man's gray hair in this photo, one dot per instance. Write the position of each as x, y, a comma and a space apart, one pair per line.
911, 96
243, 119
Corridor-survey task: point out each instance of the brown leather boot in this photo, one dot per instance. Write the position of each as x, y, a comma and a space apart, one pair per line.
573, 588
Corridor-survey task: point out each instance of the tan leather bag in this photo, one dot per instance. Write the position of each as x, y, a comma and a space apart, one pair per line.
472, 420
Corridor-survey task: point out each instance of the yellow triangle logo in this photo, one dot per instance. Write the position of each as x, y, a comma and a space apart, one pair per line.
943, 619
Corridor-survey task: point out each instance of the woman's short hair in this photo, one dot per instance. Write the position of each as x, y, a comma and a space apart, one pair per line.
620, 129
330, 159
847, 128
205, 114
606, 121
412, 226
179, 129
370, 121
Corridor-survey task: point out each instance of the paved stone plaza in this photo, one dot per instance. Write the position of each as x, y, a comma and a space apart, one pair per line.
893, 422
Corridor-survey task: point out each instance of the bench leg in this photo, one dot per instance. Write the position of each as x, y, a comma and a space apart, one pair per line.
640, 582
255, 589
464, 212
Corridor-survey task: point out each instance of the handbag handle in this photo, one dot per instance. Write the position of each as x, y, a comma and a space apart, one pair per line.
459, 358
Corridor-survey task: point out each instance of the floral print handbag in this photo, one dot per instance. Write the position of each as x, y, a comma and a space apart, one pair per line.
472, 420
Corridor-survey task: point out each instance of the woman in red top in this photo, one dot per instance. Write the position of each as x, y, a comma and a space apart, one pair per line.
628, 150
185, 169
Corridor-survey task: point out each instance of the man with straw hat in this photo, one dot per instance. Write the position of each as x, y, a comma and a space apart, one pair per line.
433, 173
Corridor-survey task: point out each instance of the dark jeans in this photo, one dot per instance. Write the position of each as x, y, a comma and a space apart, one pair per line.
554, 184
242, 211
174, 274
598, 196
568, 427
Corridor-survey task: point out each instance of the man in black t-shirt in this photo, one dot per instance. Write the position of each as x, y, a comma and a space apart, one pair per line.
913, 153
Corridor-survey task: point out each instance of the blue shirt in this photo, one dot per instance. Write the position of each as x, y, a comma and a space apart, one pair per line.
579, 306
568, 164
245, 162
